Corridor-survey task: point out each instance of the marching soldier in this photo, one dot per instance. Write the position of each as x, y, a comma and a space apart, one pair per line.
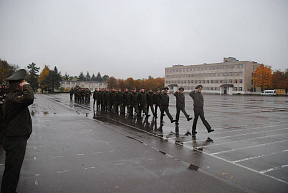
142, 100
96, 98
126, 101
71, 93
119, 101
157, 100
150, 98
112, 100
198, 109
87, 95
164, 104
180, 104
107, 101
134, 103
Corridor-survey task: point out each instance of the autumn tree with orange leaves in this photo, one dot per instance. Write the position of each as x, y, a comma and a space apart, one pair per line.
262, 77
42, 78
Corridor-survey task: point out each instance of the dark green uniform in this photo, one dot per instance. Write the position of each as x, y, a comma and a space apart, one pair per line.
113, 100
71, 93
156, 101
126, 102
107, 101
150, 101
142, 100
180, 105
164, 104
198, 110
134, 103
18, 128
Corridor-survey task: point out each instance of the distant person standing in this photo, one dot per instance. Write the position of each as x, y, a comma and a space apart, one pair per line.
180, 104
17, 129
198, 109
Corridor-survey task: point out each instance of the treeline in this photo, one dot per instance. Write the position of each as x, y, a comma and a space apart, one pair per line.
265, 78
150, 83
6, 70
87, 77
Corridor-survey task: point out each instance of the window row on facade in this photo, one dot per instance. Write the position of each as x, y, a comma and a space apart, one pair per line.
236, 81
211, 88
205, 75
216, 67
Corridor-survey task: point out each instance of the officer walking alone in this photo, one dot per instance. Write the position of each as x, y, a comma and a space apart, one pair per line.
17, 129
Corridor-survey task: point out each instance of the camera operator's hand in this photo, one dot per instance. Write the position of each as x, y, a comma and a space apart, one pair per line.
23, 83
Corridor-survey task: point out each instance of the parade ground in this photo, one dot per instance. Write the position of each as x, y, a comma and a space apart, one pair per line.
74, 148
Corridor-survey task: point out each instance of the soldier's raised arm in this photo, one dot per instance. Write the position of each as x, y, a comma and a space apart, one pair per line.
192, 94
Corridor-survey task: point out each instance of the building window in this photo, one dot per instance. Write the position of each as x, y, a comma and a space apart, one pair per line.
240, 88
235, 81
212, 81
230, 73
240, 73
211, 88
221, 81
230, 80
235, 89
235, 73
216, 81
231, 66
207, 81
216, 67
226, 74
225, 81
240, 66
221, 67
203, 81
207, 88
240, 81
188, 81
225, 66
195, 81
236, 66
216, 88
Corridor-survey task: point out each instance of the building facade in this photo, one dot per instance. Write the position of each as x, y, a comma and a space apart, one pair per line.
68, 84
228, 77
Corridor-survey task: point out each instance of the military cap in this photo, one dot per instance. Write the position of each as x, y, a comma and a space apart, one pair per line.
17, 76
181, 88
199, 86
166, 88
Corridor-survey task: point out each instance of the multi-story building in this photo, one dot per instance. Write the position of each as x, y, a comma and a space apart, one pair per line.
68, 84
228, 77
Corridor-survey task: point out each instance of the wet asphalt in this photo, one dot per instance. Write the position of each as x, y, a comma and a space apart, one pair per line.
74, 148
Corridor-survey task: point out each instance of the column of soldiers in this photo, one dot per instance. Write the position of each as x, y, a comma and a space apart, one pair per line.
140, 103
80, 94
133, 102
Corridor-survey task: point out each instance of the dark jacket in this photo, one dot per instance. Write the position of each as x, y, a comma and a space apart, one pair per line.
126, 98
96, 95
164, 100
157, 99
134, 99
119, 98
113, 96
180, 100
198, 100
150, 98
18, 123
107, 96
142, 98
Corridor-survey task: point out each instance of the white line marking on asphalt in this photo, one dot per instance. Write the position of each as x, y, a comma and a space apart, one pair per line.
273, 169
250, 169
248, 147
64, 171
36, 182
211, 145
80, 154
259, 156
58, 156
34, 158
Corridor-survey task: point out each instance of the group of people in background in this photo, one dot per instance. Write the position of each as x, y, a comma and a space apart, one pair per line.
141, 102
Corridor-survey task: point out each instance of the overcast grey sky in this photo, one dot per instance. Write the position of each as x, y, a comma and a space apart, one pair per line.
138, 38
